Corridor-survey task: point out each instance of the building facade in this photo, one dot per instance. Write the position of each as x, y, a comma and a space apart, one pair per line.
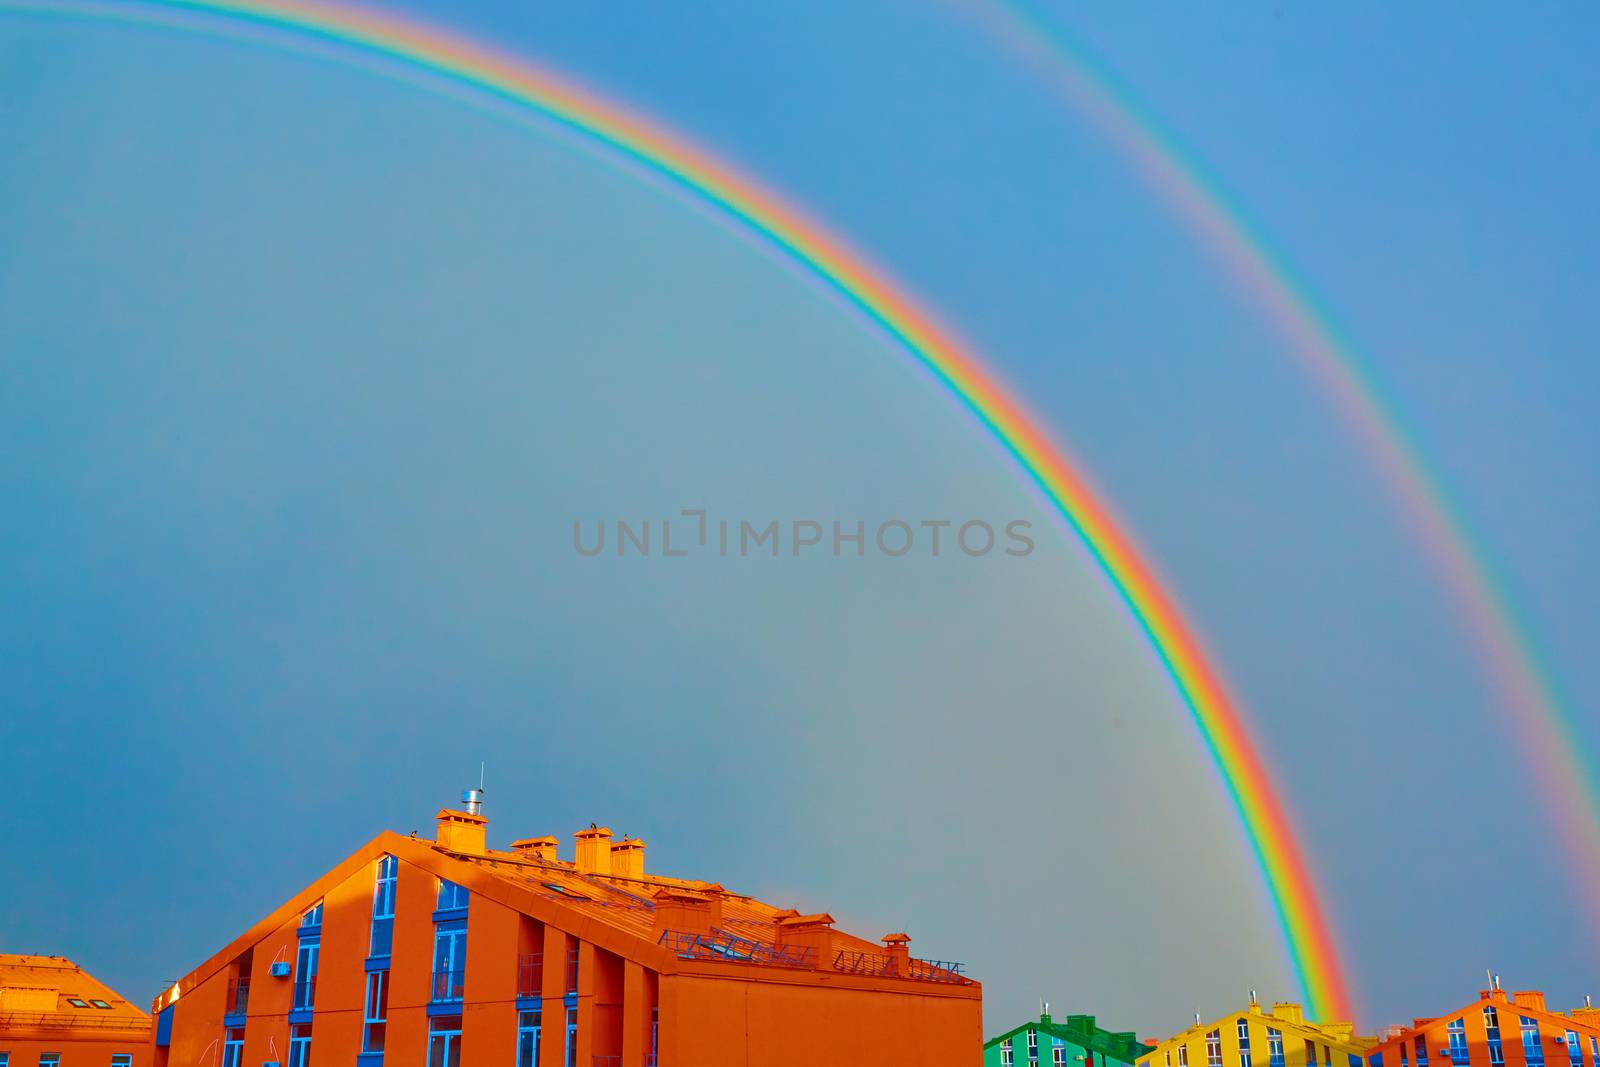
1283, 1037
55, 1014
1499, 1029
1069, 1042
417, 953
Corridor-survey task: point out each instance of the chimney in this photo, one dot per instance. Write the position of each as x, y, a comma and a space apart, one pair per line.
1529, 998
899, 946
627, 858
536, 848
1292, 1013
594, 850
814, 932
463, 831
682, 911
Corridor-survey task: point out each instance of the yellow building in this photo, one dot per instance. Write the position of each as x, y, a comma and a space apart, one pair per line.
1254, 1037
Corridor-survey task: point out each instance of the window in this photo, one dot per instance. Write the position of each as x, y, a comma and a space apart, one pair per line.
374, 1023
1214, 1049
305, 974
1244, 1042
233, 1047
1491, 1027
1311, 1054
300, 1045
1531, 1046
444, 1041
1275, 1047
572, 1037
528, 1025
1033, 1048
572, 968
382, 941
1405, 1060
1421, 1044
49, 1059
1355, 1060
102, 1005
1183, 1056
77, 1002
1005, 1053
1458, 1042
122, 1059
1594, 1052
1574, 1049
1376, 1059
1058, 1055
312, 917
449, 960
452, 896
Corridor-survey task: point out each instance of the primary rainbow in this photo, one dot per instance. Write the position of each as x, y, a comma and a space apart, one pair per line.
1541, 721
366, 34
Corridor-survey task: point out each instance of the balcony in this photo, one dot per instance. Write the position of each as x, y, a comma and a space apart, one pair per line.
305, 993
238, 1002
448, 985
530, 974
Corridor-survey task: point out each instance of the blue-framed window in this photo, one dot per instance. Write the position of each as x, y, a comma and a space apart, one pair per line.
383, 893
122, 1059
49, 1059
305, 973
300, 1045
1594, 1052
1574, 1049
375, 1015
1375, 1060
312, 917
1244, 1042
1275, 1047
1405, 1058
1421, 1046
1458, 1042
449, 960
1005, 1053
452, 896
1491, 1028
1532, 1047
444, 1041
1355, 1060
1214, 1049
529, 1023
5, 1059
233, 1047
572, 1037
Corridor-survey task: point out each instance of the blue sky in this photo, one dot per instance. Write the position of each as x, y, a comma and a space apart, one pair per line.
308, 373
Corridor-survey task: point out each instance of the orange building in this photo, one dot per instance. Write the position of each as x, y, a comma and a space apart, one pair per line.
440, 953
1499, 1029
54, 1014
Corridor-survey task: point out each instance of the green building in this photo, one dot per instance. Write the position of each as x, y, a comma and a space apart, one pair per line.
1073, 1042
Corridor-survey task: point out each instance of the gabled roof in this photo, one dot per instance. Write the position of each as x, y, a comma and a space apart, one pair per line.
1080, 1030
1288, 1017
53, 993
616, 913
1586, 1019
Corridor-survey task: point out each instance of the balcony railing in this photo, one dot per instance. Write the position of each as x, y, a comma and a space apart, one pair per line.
449, 985
305, 993
572, 969
608, 1061
721, 945
238, 1001
530, 974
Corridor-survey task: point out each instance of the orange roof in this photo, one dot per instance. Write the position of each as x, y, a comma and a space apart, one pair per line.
53, 993
615, 912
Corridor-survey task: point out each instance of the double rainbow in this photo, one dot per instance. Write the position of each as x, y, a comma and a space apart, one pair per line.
352, 34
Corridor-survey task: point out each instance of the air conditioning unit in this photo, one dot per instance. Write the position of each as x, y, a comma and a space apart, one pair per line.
280, 969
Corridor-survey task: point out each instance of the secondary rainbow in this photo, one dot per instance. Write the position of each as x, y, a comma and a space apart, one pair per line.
1541, 720
367, 34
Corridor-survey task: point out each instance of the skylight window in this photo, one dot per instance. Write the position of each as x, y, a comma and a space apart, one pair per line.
101, 1004
76, 1002
569, 894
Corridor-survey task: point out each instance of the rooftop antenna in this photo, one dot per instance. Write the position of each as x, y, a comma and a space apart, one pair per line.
1197, 1018
1588, 1001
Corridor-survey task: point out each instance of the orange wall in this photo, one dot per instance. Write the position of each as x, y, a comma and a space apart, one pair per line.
1437, 1034
77, 1052
726, 1022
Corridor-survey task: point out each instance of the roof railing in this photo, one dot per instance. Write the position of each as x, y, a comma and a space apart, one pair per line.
879, 964
720, 945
